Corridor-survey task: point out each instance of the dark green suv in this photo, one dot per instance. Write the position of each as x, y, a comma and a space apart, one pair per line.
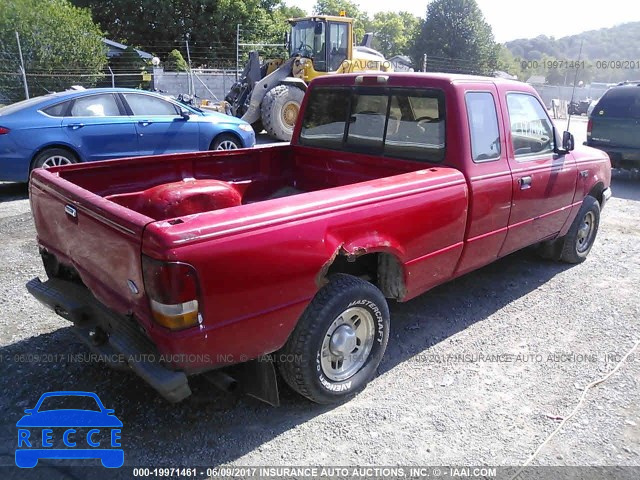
614, 125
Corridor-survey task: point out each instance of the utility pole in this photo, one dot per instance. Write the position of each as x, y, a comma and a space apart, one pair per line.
424, 63
24, 74
191, 86
237, 48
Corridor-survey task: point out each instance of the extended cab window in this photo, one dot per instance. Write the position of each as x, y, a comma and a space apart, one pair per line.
531, 129
483, 126
395, 122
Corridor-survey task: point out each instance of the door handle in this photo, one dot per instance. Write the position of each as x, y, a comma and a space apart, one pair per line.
144, 123
76, 126
524, 182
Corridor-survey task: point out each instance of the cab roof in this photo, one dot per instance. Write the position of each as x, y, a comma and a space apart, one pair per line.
321, 18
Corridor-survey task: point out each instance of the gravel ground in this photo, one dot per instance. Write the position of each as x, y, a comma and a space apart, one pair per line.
478, 371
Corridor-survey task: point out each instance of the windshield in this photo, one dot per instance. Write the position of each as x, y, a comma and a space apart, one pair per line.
307, 39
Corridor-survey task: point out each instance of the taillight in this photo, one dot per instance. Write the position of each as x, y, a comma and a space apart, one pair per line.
172, 288
4, 131
589, 127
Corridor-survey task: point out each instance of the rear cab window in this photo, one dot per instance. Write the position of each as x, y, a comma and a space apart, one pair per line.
392, 122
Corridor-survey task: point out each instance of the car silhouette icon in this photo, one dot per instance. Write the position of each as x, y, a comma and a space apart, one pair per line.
84, 431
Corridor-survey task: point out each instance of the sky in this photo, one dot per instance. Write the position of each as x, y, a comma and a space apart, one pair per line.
511, 19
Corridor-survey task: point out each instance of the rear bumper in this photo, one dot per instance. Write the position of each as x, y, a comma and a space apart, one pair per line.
623, 153
115, 338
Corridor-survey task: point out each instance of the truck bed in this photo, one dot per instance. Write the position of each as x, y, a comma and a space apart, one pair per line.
257, 174
292, 206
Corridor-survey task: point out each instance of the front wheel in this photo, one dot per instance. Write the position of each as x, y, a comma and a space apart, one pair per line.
279, 111
339, 341
225, 141
582, 233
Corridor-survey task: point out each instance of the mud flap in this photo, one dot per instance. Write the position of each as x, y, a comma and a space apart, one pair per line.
258, 379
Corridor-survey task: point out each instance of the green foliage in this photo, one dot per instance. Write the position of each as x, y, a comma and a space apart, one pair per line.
508, 63
456, 38
601, 49
129, 68
55, 36
394, 33
210, 25
352, 10
175, 62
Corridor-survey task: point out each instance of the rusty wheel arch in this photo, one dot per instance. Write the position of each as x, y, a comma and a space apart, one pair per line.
382, 269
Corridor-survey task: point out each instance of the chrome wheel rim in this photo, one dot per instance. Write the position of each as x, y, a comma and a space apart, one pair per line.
55, 161
227, 145
585, 232
347, 344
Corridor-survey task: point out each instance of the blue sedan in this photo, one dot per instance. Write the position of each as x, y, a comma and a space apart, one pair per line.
104, 123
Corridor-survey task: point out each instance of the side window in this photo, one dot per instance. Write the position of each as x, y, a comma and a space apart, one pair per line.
483, 126
338, 43
531, 129
103, 105
57, 110
148, 105
325, 118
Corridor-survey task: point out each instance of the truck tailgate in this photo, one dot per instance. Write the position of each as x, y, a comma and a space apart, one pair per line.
98, 238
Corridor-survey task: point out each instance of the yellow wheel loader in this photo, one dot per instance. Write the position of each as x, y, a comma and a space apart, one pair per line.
269, 95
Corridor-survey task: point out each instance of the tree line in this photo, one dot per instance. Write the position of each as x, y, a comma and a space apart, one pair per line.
61, 38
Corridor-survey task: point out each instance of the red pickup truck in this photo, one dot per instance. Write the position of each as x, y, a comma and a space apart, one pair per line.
178, 265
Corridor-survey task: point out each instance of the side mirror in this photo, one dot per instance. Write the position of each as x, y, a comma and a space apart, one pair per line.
185, 114
568, 142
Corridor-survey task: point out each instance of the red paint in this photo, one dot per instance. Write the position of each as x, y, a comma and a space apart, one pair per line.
258, 259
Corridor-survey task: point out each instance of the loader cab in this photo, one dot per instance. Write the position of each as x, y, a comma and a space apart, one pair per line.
325, 40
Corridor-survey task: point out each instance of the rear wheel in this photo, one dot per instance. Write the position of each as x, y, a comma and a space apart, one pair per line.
225, 141
54, 157
336, 347
279, 111
582, 233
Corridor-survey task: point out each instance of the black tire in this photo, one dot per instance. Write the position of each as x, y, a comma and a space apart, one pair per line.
577, 244
301, 365
225, 141
280, 108
54, 157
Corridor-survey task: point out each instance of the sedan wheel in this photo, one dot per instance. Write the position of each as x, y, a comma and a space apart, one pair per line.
225, 142
55, 161
54, 157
